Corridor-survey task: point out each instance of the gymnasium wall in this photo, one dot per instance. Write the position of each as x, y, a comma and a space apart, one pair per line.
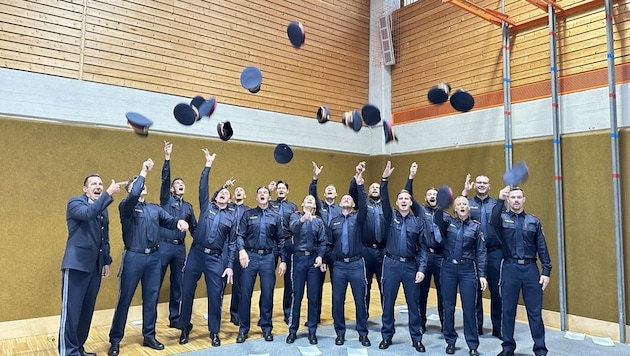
191, 47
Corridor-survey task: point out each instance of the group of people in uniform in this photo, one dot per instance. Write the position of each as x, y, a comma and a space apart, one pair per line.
483, 244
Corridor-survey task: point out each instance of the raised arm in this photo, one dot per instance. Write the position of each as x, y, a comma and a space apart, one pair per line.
362, 201
387, 206
165, 188
353, 189
128, 204
204, 200
497, 210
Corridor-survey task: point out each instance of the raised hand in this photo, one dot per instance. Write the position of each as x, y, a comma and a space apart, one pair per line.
168, 148
271, 186
413, 170
388, 170
147, 165
209, 157
316, 170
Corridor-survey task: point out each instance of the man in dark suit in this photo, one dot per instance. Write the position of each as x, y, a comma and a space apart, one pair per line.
85, 260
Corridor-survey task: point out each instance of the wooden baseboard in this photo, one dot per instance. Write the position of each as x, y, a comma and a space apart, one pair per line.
50, 324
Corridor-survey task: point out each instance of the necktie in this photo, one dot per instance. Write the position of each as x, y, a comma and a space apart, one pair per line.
262, 237
520, 249
403, 239
214, 229
437, 234
377, 223
282, 213
309, 235
345, 248
484, 220
459, 242
329, 216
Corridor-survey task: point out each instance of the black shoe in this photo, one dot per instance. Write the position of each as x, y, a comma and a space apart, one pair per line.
339, 340
241, 338
267, 335
450, 349
183, 338
88, 353
291, 338
312, 339
234, 320
365, 341
152, 343
114, 349
385, 343
214, 340
419, 347
473, 352
498, 335
506, 353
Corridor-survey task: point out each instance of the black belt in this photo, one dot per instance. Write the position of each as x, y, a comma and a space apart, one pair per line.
260, 251
305, 253
174, 241
209, 251
400, 258
374, 245
520, 261
349, 259
463, 261
493, 248
146, 251
436, 251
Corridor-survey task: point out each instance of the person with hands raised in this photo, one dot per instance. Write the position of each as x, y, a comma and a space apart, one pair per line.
349, 266
373, 232
326, 209
216, 229
310, 246
481, 206
523, 243
464, 266
172, 247
260, 236
433, 240
85, 262
140, 231
404, 263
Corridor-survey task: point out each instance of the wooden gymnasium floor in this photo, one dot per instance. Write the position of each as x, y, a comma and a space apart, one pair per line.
132, 343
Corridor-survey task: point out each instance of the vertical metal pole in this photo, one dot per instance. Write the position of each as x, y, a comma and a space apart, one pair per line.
507, 98
557, 160
614, 145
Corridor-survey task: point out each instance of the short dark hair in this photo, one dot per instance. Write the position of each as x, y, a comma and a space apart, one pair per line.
283, 182
176, 179
262, 186
403, 191
518, 188
91, 175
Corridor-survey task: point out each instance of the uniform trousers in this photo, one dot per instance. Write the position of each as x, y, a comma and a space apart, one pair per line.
211, 266
78, 297
515, 279
303, 273
263, 266
493, 272
287, 292
137, 268
434, 264
235, 298
173, 257
354, 274
463, 275
373, 267
396, 273
330, 265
